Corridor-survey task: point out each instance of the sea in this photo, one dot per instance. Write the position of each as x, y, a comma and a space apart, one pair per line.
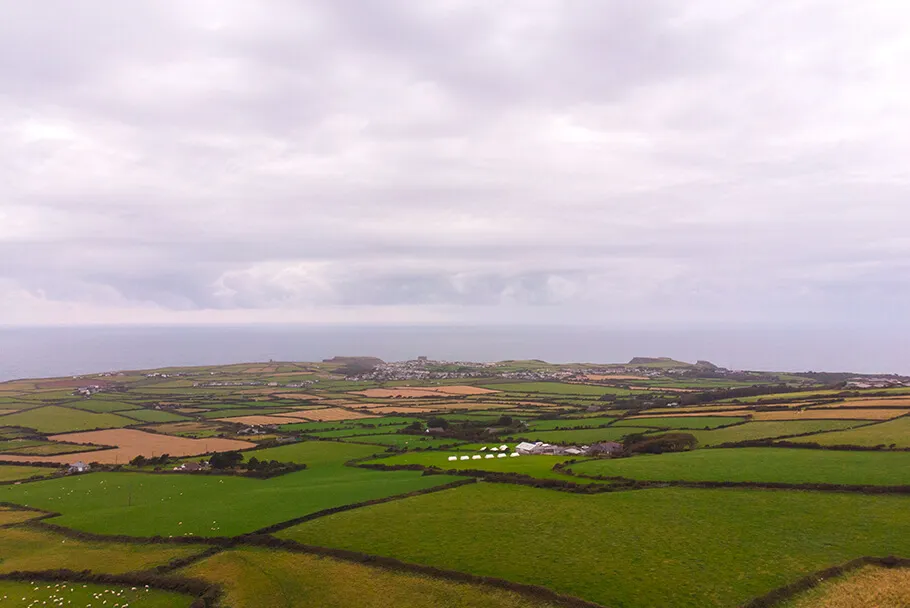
31, 352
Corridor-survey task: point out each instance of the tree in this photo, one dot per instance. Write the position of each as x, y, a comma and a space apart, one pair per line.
225, 460
138, 461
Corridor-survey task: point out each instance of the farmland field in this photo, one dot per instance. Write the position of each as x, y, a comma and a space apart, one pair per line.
665, 547
894, 432
55, 419
402, 440
568, 423
582, 436
14, 516
31, 549
765, 430
101, 406
141, 504
268, 579
535, 466
144, 415
699, 422
760, 464
558, 388
80, 594
868, 587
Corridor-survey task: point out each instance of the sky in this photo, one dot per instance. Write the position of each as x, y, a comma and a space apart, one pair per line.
610, 163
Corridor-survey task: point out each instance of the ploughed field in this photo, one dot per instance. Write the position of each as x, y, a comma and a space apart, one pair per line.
671, 545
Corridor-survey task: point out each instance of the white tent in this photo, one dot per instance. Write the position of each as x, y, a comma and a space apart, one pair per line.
475, 457
494, 449
500, 456
503, 447
453, 457
514, 454
489, 456
465, 458
483, 448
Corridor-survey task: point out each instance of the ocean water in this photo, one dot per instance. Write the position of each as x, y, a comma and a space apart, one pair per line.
59, 351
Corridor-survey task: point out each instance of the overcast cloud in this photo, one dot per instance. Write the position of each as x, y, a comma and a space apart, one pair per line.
610, 162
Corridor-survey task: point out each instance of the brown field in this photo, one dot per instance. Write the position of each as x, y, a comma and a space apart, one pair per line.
16, 516
397, 393
461, 389
182, 427
331, 414
599, 377
131, 443
711, 409
834, 414
868, 587
262, 419
296, 396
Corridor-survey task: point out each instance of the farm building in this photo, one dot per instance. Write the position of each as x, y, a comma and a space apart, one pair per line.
605, 448
78, 467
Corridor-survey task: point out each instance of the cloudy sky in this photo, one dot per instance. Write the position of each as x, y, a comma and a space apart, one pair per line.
615, 163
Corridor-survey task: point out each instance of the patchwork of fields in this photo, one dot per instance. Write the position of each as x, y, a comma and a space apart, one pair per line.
580, 532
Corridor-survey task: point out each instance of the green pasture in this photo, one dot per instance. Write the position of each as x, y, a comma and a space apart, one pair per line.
144, 415
269, 578
671, 547
357, 431
557, 388
101, 406
770, 465
47, 448
405, 441
26, 594
314, 453
681, 422
16, 473
233, 413
893, 432
767, 429
26, 548
571, 423
142, 504
55, 419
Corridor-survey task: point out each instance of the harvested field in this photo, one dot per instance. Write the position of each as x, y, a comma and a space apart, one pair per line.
16, 516
832, 414
178, 428
132, 443
259, 420
402, 409
464, 390
676, 411
332, 413
698, 414
868, 587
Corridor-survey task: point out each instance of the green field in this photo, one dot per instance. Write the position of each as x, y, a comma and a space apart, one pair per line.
144, 415
142, 504
15, 594
15, 473
25, 548
272, 579
893, 432
405, 441
102, 406
233, 413
535, 466
570, 423
768, 429
54, 419
579, 437
673, 547
354, 431
776, 465
682, 422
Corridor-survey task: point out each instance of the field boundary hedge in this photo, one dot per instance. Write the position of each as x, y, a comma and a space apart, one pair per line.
206, 594
396, 565
788, 592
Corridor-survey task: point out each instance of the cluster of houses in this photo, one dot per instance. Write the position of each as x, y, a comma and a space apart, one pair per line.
539, 448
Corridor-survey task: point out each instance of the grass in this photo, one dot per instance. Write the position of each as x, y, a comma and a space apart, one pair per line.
80, 594
761, 464
25, 548
144, 415
579, 437
48, 448
768, 429
672, 547
870, 586
55, 419
894, 432
569, 423
682, 422
15, 516
100, 407
404, 441
15, 473
355, 431
250, 411
278, 579
536, 466
142, 504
